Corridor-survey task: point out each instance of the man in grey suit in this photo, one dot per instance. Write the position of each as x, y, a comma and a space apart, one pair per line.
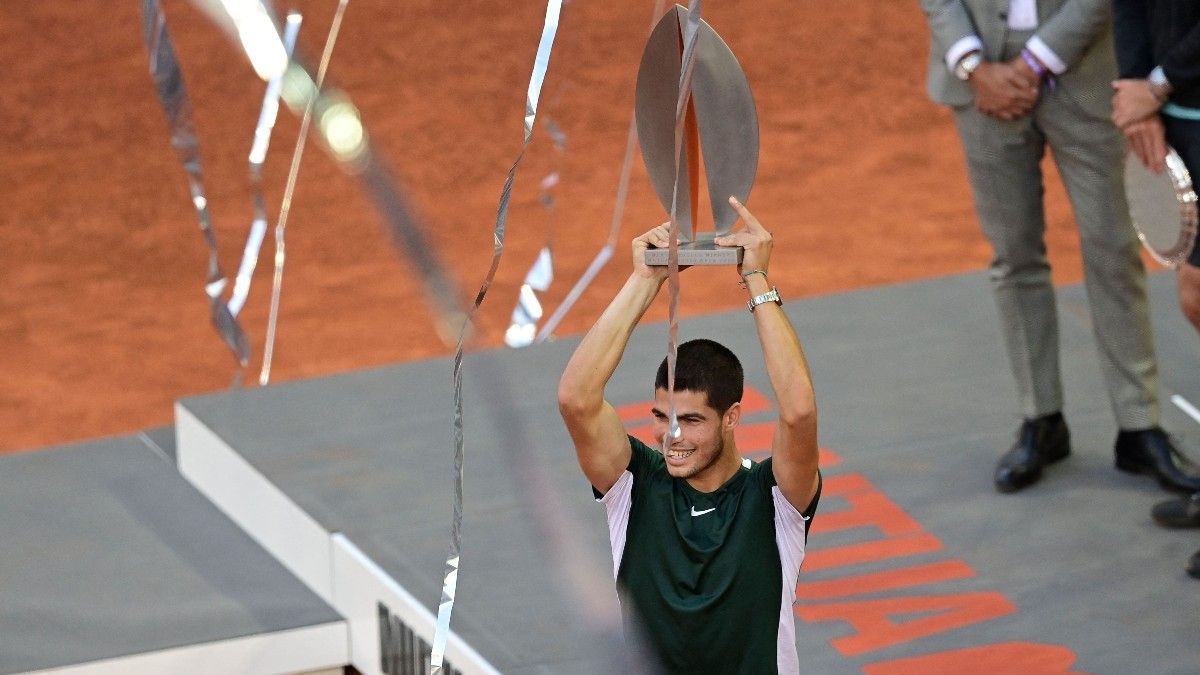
1021, 76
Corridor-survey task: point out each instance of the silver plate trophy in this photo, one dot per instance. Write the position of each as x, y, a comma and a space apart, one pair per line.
721, 113
1163, 207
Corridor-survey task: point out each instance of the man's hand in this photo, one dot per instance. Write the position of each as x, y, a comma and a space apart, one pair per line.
1148, 140
1005, 90
1133, 102
658, 237
754, 239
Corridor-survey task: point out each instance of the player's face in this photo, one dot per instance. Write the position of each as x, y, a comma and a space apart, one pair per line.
701, 441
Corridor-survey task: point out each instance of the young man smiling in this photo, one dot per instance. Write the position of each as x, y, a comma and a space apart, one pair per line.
706, 545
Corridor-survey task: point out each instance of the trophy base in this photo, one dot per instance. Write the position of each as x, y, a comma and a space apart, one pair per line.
697, 253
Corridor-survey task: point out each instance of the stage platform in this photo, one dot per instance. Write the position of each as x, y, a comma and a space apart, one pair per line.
916, 564
113, 559
111, 563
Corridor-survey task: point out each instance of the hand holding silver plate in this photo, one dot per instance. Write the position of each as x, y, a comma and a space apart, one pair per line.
1162, 204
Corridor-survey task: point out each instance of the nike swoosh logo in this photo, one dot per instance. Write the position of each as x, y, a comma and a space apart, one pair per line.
700, 513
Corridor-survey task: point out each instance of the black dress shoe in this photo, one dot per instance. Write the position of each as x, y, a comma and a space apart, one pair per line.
1194, 565
1040, 441
1181, 512
1151, 452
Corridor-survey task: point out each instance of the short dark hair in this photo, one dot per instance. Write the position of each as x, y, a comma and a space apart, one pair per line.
708, 367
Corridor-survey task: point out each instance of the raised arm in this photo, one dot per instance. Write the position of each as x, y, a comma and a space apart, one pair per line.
794, 450
600, 441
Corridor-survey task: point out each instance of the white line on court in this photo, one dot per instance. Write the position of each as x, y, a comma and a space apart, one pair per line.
1186, 406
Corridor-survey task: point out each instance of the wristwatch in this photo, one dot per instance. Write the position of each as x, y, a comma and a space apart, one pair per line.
967, 65
1160, 86
770, 296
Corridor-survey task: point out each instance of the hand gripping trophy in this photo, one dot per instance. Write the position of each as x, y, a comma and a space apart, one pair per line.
720, 132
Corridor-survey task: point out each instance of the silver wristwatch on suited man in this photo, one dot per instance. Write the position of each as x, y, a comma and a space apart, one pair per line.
967, 65
1160, 86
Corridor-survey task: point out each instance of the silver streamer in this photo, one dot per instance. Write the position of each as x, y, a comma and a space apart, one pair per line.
450, 579
556, 135
523, 327
258, 155
172, 95
529, 310
550, 182
690, 30
264, 375
340, 130
614, 229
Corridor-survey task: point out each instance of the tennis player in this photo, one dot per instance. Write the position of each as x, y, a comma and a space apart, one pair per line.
706, 545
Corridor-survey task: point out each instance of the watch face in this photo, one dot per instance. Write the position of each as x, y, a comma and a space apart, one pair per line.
966, 66
1157, 78
770, 296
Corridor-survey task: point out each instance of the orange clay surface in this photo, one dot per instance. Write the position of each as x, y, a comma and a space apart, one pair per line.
103, 317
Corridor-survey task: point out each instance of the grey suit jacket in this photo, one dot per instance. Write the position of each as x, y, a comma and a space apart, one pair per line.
1078, 31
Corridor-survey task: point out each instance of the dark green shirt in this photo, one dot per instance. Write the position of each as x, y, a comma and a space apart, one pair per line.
707, 578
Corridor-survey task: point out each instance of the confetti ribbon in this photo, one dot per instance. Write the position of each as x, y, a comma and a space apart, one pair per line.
450, 580
340, 129
258, 156
341, 133
529, 310
172, 95
556, 135
614, 229
521, 331
690, 31
285, 208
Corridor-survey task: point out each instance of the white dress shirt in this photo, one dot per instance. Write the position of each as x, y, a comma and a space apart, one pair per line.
1022, 15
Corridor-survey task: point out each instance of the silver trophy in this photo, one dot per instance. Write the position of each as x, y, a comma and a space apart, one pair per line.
721, 130
1163, 207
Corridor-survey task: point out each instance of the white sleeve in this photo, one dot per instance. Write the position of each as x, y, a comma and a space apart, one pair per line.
790, 538
617, 502
970, 43
1046, 55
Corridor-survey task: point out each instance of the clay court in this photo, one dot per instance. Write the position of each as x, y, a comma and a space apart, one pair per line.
105, 321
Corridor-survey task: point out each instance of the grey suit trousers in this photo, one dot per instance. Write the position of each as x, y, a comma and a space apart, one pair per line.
1003, 161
